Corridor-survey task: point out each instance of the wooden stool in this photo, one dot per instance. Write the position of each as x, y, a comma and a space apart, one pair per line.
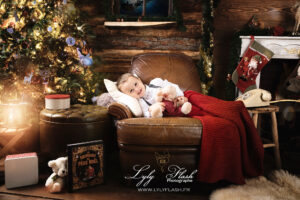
275, 143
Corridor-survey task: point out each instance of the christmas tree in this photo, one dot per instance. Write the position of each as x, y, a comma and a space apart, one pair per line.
43, 49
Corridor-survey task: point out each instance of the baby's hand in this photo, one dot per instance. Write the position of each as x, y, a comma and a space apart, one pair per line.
179, 101
161, 104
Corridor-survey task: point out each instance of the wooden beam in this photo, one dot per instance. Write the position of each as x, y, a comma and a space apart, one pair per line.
103, 31
125, 53
137, 24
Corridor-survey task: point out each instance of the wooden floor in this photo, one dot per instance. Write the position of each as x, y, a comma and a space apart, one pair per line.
114, 189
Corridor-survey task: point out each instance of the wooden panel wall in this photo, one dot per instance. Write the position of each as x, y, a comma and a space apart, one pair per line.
116, 45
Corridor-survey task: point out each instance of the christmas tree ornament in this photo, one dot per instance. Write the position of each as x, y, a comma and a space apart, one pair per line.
16, 17
36, 79
10, 30
27, 79
49, 29
37, 30
84, 60
255, 57
70, 41
2, 9
38, 46
8, 22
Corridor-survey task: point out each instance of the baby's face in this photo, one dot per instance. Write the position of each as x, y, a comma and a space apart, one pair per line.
133, 87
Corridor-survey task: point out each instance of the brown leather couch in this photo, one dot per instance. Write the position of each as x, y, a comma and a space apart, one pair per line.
159, 142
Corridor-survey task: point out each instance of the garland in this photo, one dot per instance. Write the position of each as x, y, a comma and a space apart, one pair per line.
205, 64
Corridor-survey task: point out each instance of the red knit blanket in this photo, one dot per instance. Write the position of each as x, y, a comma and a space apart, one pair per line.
231, 148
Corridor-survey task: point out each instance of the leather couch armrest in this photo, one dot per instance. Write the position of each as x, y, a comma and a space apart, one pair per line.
119, 111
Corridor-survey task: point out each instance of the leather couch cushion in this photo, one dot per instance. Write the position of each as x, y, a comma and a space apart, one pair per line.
176, 68
77, 113
179, 131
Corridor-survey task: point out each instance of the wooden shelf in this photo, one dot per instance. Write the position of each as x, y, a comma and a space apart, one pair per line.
137, 24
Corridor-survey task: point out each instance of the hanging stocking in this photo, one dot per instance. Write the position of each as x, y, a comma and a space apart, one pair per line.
254, 59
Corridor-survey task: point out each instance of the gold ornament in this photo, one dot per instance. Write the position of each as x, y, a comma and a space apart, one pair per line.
56, 29
20, 24
37, 34
38, 14
39, 46
2, 8
59, 61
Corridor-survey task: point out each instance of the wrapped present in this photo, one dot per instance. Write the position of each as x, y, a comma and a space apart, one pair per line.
21, 170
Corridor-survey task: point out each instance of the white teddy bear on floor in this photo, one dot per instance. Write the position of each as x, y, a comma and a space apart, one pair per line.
55, 181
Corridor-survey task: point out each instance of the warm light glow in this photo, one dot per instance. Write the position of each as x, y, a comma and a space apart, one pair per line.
10, 115
14, 115
48, 90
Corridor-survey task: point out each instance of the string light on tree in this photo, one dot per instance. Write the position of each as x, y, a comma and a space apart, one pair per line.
205, 65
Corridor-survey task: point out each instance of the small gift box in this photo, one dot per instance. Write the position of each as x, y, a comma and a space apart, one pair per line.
57, 101
21, 170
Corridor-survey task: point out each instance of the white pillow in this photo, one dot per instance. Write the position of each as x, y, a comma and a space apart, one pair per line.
131, 102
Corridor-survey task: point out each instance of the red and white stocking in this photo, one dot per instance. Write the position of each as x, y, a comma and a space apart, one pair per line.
254, 59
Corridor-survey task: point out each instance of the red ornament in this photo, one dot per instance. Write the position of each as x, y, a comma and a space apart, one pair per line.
278, 31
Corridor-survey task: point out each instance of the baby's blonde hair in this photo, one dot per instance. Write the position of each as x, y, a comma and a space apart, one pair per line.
123, 78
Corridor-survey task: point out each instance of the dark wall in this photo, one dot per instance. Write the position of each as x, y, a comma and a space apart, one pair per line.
232, 15
116, 45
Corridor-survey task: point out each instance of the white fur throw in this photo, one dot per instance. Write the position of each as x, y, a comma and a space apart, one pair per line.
130, 102
280, 186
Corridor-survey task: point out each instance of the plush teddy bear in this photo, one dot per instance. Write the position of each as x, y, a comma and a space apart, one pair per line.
105, 99
173, 106
55, 181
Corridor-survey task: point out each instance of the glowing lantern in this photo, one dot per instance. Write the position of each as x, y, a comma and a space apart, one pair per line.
14, 115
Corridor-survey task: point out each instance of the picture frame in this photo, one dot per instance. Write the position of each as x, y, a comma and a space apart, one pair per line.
85, 164
146, 9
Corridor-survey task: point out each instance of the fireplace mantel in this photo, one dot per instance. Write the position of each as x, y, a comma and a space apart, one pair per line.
282, 47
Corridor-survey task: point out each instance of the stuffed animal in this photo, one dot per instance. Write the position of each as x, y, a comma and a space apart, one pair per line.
176, 106
55, 181
105, 99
